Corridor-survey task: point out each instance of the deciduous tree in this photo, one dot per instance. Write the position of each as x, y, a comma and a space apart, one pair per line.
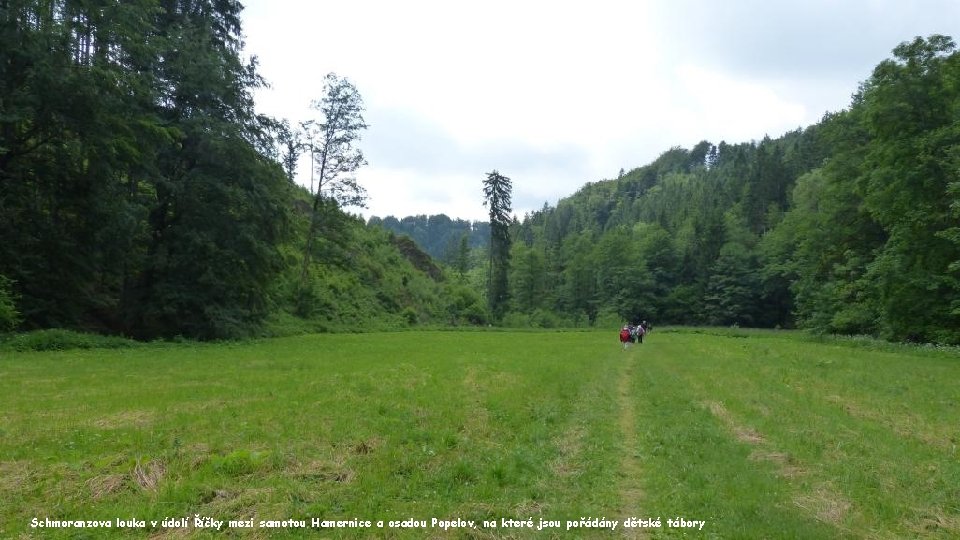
335, 156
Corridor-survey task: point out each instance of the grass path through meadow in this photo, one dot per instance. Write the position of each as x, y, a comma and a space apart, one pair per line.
631, 469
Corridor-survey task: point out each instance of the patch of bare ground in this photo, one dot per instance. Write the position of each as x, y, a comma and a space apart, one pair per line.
240, 504
742, 433
105, 484
124, 419
569, 445
199, 453
823, 502
631, 470
787, 467
529, 508
148, 475
169, 534
935, 521
365, 447
14, 476
320, 471
478, 420
763, 409
333, 469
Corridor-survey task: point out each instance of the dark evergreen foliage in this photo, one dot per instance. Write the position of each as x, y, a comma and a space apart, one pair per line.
497, 194
438, 235
140, 193
134, 199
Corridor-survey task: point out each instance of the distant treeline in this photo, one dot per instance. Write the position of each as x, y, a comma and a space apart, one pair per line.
438, 235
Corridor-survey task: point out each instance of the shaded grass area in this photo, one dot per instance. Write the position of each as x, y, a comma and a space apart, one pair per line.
760, 435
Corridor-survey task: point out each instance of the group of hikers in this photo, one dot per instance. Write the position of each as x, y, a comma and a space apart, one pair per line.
633, 333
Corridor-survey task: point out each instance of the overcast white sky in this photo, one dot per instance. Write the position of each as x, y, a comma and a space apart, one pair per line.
555, 94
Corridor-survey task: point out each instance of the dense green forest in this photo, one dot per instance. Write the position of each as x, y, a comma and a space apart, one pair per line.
851, 225
141, 194
438, 235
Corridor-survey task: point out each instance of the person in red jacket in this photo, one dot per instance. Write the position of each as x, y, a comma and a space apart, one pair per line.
625, 336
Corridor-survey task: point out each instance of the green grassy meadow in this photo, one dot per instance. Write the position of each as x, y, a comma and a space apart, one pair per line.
757, 434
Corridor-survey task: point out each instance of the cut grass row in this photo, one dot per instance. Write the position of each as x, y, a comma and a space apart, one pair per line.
477, 426
760, 436
778, 431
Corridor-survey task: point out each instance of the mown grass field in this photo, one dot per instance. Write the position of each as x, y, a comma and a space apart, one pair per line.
759, 435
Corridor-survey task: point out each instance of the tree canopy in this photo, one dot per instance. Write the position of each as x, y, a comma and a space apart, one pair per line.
141, 194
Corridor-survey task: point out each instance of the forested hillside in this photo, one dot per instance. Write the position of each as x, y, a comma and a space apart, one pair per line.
141, 194
851, 225
438, 235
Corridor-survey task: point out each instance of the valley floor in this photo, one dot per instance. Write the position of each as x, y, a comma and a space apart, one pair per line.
483, 434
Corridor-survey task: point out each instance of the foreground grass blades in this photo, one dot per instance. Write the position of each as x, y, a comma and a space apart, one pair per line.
756, 435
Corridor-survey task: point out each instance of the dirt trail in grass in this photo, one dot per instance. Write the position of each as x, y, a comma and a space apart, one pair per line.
631, 470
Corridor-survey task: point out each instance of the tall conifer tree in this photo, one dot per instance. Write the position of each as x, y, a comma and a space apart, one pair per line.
497, 193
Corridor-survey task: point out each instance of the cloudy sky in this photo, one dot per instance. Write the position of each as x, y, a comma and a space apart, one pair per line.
554, 94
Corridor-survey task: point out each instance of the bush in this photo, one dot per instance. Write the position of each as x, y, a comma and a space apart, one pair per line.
57, 339
547, 319
515, 320
466, 306
540, 318
9, 316
410, 316
609, 319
